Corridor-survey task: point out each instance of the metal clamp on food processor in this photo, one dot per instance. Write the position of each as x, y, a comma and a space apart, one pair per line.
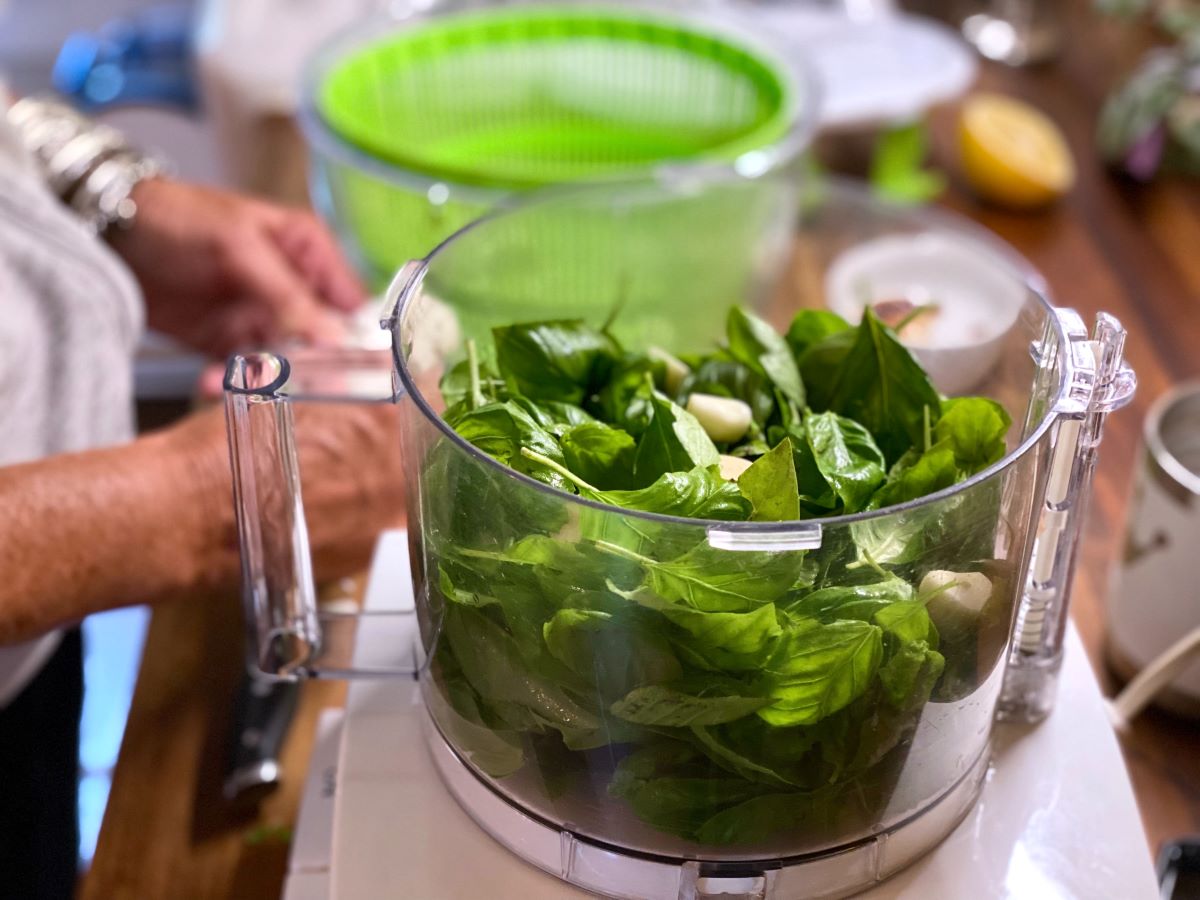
1097, 381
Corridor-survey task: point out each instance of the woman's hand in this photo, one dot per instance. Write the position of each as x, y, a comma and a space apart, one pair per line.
222, 272
352, 482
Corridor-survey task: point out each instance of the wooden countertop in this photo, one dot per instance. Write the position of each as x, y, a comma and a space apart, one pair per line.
1133, 251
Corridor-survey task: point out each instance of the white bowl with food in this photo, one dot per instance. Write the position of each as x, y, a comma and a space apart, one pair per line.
952, 299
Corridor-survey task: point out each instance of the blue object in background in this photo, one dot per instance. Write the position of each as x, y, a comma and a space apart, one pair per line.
112, 653
142, 59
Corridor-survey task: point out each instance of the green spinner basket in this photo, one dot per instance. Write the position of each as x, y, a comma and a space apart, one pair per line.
420, 126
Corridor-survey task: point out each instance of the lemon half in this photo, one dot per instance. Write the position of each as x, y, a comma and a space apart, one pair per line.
1012, 154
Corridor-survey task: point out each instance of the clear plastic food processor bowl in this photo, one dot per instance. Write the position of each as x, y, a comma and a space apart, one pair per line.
814, 806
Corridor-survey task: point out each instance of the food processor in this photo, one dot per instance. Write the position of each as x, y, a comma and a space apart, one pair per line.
539, 614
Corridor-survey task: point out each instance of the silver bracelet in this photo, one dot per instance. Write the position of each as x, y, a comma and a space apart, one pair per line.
104, 198
89, 166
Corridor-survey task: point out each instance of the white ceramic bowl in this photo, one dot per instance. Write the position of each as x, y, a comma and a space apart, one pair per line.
977, 293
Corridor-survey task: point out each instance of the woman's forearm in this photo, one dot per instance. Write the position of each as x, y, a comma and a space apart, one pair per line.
85, 532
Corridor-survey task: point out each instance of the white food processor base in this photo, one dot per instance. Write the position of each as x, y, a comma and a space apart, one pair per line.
1055, 818
610, 872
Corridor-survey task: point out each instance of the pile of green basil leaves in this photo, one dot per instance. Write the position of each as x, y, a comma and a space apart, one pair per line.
728, 695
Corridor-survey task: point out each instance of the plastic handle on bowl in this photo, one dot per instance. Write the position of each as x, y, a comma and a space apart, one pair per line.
276, 563
288, 636
1097, 381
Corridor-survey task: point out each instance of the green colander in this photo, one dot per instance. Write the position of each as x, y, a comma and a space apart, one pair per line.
529, 96
420, 126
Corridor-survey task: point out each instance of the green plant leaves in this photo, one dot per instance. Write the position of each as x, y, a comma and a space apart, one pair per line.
820, 669
673, 441
884, 388
973, 428
811, 326
770, 485
917, 474
698, 494
908, 622
599, 454
501, 430
846, 456
897, 166
492, 662
760, 347
557, 360
714, 580
851, 601
666, 706
734, 693
626, 400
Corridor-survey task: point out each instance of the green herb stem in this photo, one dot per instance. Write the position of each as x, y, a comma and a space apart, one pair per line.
624, 552
915, 313
477, 398
869, 563
560, 469
929, 595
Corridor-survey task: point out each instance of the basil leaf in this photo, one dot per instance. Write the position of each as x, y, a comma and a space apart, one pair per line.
738, 633
917, 475
567, 635
665, 757
714, 580
727, 757
974, 429
699, 494
497, 752
455, 384
750, 449
599, 454
758, 346
811, 326
614, 654
897, 174
501, 429
908, 677
892, 540
908, 622
820, 669
553, 415
820, 363
756, 819
513, 509
846, 456
493, 665
659, 704
816, 495
847, 601
770, 485
682, 805
882, 386
673, 442
625, 400
555, 360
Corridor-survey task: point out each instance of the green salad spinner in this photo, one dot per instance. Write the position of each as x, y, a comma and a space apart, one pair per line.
419, 125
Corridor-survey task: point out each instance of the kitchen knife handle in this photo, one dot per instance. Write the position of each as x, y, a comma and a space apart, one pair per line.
263, 712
